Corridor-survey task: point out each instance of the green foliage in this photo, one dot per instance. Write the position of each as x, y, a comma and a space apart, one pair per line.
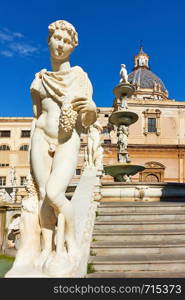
5, 264
90, 268
92, 253
7, 258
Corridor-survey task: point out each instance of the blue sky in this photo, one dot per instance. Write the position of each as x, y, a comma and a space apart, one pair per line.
109, 34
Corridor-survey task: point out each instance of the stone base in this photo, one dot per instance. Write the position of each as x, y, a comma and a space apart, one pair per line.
142, 191
25, 272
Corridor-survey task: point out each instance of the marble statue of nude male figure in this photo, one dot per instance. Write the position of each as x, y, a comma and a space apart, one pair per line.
62, 105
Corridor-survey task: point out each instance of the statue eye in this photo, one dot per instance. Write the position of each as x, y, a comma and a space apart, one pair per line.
57, 37
67, 41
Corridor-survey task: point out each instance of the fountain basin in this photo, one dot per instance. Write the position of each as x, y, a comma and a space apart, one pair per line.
118, 170
123, 118
124, 89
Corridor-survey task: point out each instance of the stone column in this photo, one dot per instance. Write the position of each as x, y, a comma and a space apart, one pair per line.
181, 167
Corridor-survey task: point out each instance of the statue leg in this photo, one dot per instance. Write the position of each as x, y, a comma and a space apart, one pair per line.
63, 168
94, 150
41, 166
90, 152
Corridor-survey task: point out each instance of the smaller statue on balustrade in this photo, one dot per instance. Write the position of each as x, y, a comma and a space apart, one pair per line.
99, 158
94, 144
5, 197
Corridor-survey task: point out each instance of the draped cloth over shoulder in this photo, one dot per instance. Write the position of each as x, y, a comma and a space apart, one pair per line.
71, 84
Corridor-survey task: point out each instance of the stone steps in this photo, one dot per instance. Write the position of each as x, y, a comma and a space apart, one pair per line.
147, 274
146, 208
141, 240
117, 263
119, 248
179, 216
128, 236
141, 204
139, 225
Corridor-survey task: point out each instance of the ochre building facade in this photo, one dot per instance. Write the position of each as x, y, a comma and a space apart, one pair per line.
156, 140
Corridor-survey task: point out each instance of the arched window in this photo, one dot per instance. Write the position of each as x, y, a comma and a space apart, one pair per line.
4, 148
152, 178
24, 147
154, 172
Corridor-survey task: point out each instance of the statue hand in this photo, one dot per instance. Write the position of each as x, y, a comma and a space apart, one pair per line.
83, 105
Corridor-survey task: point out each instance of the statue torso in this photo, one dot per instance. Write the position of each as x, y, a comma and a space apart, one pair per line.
52, 87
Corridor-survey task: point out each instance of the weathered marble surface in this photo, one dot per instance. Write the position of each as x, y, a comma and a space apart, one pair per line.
63, 106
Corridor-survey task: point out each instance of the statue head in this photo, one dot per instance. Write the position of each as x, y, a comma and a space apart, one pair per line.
123, 66
62, 39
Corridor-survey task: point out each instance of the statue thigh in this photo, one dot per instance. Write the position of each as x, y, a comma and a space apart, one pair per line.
63, 168
41, 161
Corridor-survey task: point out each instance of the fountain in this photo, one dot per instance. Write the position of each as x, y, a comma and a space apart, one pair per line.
123, 118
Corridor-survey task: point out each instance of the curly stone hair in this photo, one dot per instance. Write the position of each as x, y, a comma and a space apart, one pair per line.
64, 25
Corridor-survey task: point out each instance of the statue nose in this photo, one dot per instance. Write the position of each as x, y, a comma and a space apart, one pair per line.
60, 45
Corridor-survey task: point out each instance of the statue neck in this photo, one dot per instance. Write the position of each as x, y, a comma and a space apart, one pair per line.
60, 65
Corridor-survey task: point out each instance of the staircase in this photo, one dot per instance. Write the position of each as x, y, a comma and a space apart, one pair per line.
138, 240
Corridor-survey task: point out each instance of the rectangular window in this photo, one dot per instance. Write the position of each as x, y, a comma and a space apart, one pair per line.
78, 171
25, 133
152, 125
2, 180
107, 141
22, 180
5, 133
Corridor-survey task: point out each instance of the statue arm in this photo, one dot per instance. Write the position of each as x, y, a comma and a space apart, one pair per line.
84, 105
36, 102
87, 109
90, 115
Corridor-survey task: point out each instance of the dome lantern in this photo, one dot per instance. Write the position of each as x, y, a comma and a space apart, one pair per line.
148, 85
141, 60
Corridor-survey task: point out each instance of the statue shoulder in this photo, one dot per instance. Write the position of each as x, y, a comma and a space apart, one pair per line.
84, 80
36, 83
80, 72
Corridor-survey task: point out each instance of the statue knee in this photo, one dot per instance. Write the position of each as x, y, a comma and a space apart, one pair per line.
50, 193
42, 193
55, 199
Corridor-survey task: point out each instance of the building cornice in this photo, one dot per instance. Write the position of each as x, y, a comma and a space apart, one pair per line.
15, 119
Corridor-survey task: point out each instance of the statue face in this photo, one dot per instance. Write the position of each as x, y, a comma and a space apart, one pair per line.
60, 44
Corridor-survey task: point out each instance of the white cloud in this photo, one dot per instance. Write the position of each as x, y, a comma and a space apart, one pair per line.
23, 48
14, 43
18, 34
4, 37
7, 36
6, 53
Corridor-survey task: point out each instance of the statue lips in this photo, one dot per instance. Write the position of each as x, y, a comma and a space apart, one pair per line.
60, 51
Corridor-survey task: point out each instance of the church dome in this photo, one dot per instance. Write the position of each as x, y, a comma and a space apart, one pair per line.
146, 79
